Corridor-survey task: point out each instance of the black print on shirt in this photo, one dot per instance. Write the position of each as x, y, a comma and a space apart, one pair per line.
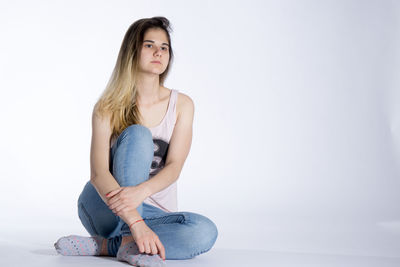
160, 156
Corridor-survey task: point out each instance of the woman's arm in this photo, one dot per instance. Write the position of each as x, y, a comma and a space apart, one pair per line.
104, 183
100, 176
179, 147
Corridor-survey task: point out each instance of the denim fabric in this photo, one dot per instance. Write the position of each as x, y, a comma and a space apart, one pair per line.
183, 234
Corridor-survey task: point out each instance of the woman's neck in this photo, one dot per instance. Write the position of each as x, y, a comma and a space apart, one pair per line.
149, 90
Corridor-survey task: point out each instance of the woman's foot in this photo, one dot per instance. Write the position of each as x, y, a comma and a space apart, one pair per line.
74, 245
104, 250
129, 252
126, 239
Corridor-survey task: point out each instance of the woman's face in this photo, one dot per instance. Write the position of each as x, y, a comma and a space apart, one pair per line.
154, 56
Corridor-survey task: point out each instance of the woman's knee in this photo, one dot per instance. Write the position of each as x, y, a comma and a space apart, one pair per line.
132, 157
138, 136
204, 233
207, 232
137, 128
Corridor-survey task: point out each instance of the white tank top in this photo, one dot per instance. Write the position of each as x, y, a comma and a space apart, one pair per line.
166, 199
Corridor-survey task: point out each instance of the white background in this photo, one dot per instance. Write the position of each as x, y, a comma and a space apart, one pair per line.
296, 142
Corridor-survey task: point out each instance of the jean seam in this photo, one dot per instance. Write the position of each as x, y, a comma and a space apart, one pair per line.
89, 219
198, 253
164, 216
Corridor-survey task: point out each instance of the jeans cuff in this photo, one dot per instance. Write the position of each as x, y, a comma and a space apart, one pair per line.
113, 245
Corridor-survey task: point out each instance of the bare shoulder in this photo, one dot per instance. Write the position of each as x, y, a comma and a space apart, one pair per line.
101, 119
184, 104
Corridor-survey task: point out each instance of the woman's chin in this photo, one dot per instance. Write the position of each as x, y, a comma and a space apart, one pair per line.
154, 71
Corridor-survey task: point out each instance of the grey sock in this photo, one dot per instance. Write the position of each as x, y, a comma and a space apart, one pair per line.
130, 253
74, 245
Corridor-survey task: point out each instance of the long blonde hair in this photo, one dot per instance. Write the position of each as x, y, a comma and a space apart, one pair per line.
119, 99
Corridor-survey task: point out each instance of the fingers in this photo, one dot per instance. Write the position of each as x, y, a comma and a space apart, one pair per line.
147, 248
113, 200
140, 246
144, 247
147, 241
153, 248
113, 193
161, 248
112, 205
113, 197
118, 210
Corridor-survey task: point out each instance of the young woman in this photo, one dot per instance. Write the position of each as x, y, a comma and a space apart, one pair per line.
141, 136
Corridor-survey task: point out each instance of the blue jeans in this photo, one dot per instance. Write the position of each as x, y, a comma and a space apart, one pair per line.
183, 234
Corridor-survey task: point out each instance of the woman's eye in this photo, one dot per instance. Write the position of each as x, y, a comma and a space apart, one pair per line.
163, 48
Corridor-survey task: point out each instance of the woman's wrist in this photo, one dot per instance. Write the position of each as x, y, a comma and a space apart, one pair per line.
145, 189
130, 217
132, 225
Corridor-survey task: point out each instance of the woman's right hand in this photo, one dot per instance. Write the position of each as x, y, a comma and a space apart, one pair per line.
146, 240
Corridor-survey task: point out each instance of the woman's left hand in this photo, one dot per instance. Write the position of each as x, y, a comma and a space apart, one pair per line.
125, 199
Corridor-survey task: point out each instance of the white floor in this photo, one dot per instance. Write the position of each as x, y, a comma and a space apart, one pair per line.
41, 253
29, 242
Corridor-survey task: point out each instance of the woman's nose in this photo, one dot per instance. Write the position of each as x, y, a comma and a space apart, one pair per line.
158, 51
